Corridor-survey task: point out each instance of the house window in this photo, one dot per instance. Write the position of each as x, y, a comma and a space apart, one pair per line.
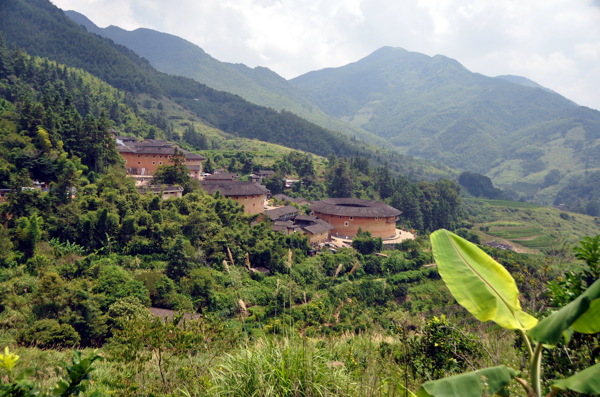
160, 162
346, 224
351, 218
154, 162
139, 162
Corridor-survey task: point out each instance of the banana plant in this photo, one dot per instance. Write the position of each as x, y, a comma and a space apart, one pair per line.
488, 291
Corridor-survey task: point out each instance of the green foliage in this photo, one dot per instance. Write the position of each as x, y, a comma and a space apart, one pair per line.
114, 283
175, 174
581, 194
443, 349
29, 234
489, 282
8, 360
6, 247
78, 372
340, 181
49, 334
483, 382
468, 235
456, 256
479, 185
73, 384
367, 244
127, 310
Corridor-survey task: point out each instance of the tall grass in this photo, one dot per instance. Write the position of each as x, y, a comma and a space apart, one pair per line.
287, 366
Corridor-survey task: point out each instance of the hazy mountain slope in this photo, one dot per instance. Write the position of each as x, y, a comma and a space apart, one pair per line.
523, 81
262, 86
43, 30
433, 107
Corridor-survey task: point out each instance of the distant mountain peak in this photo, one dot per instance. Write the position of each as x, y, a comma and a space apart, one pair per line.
83, 21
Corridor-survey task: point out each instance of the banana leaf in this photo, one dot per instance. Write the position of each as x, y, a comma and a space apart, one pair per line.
586, 381
589, 322
484, 382
478, 282
550, 329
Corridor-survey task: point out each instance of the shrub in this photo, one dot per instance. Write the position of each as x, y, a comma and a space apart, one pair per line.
367, 244
49, 333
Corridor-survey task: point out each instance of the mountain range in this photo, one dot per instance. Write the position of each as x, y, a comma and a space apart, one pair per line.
507, 127
43, 30
388, 106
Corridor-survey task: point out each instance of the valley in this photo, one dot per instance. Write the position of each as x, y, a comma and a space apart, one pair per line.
161, 234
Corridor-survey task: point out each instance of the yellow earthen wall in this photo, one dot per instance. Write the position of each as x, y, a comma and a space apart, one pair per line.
252, 204
152, 161
315, 239
348, 226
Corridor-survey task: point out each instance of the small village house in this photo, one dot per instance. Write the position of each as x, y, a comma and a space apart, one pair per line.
251, 195
142, 158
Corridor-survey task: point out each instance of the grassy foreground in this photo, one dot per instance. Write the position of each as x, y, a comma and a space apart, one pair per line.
348, 365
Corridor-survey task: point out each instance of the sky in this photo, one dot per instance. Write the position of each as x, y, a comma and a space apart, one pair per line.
555, 43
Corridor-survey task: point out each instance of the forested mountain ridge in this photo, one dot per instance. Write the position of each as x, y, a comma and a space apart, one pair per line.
42, 29
257, 85
508, 128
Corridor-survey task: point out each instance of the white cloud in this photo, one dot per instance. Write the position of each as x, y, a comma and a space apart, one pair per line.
555, 42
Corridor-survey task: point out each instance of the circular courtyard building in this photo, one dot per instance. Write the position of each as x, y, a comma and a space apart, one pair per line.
347, 215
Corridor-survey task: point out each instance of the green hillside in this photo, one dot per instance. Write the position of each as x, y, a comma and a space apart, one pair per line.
529, 227
257, 85
435, 108
43, 30
508, 127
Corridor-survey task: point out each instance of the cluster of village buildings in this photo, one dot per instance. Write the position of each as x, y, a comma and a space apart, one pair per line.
329, 218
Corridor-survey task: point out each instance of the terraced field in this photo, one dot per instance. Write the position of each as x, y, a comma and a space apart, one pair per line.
528, 227
521, 233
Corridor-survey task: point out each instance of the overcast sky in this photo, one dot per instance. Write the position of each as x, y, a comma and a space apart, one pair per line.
553, 42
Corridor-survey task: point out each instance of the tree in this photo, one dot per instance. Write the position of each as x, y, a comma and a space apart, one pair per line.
175, 174
196, 139
179, 264
407, 198
29, 233
479, 185
552, 178
366, 244
340, 180
6, 247
276, 183
48, 334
